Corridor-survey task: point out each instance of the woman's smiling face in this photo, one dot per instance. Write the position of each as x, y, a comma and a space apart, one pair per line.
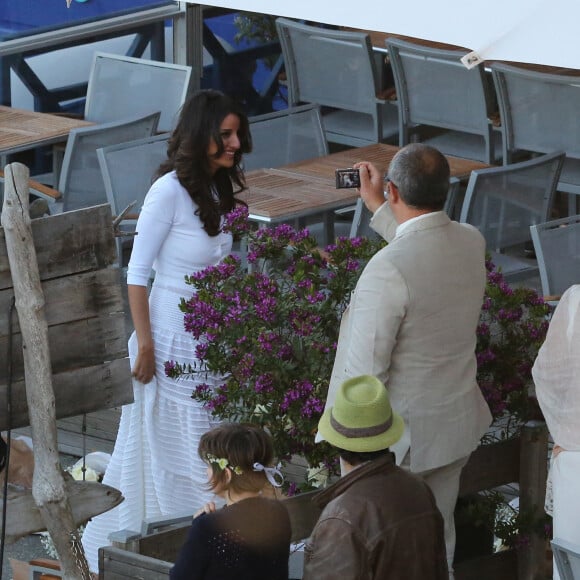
229, 131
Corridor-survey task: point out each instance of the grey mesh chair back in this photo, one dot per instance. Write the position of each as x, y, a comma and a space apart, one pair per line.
287, 136
567, 558
360, 227
362, 216
435, 89
81, 183
128, 170
122, 87
540, 113
503, 202
450, 207
557, 248
336, 69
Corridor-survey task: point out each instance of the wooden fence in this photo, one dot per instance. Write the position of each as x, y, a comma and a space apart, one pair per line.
523, 461
84, 310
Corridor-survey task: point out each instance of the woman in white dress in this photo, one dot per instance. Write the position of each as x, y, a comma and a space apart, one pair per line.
155, 462
556, 375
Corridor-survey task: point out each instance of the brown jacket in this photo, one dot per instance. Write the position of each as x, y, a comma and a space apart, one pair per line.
378, 522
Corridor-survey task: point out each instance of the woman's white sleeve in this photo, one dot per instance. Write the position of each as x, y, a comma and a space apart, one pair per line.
153, 225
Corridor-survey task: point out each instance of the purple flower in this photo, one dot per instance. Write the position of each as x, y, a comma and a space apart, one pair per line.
200, 391
292, 489
237, 221
266, 340
264, 384
312, 407
483, 329
201, 350
285, 352
246, 365
266, 309
201, 317
171, 369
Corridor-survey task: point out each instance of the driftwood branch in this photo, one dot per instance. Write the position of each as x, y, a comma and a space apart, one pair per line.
48, 487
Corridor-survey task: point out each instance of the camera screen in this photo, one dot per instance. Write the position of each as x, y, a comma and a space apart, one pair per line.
347, 178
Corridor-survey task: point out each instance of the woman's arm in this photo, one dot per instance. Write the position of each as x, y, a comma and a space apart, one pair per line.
144, 367
153, 226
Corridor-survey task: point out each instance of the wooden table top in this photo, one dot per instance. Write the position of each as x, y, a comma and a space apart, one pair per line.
21, 130
276, 195
380, 154
308, 187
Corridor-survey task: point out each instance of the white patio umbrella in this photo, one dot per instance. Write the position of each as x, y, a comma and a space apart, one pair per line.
534, 31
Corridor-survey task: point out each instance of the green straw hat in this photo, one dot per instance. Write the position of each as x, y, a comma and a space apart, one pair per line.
361, 419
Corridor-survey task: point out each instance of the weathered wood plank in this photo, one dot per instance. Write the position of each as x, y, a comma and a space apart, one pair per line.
49, 493
77, 344
164, 545
71, 298
100, 435
116, 564
498, 566
76, 444
304, 514
97, 423
80, 391
491, 466
87, 499
533, 475
67, 243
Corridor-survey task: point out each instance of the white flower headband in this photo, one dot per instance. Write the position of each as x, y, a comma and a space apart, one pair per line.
273, 474
222, 463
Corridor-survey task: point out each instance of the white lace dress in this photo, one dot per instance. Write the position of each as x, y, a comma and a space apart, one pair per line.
155, 462
556, 375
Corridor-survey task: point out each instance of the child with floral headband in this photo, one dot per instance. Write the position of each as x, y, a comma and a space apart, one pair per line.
250, 537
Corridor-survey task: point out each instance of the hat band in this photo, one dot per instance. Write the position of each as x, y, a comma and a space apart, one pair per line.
358, 432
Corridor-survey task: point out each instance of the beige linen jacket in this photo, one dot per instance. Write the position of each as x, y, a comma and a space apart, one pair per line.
412, 323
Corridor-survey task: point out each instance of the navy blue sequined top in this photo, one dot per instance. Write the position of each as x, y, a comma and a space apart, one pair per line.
248, 540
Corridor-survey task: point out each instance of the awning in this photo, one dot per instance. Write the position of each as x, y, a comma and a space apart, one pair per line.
534, 31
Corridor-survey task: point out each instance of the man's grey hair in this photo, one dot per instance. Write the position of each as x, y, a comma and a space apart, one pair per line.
421, 174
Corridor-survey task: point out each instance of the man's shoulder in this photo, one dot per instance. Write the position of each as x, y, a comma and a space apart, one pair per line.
467, 229
393, 501
390, 485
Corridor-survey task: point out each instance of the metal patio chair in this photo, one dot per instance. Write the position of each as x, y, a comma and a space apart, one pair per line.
127, 170
503, 202
287, 136
336, 70
435, 90
557, 249
81, 183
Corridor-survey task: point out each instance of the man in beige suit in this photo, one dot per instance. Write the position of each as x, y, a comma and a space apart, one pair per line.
412, 322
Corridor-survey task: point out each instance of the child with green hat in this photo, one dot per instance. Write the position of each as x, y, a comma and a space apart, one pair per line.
378, 521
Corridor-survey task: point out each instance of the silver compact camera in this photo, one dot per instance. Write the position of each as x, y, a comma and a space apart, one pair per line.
347, 178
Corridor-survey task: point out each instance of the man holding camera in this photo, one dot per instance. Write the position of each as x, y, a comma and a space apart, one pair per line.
412, 322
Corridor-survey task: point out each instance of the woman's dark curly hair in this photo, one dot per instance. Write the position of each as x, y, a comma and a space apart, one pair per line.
199, 122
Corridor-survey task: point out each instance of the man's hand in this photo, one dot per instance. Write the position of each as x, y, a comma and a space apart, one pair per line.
371, 185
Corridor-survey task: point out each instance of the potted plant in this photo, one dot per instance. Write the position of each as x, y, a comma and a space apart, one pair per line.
271, 332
